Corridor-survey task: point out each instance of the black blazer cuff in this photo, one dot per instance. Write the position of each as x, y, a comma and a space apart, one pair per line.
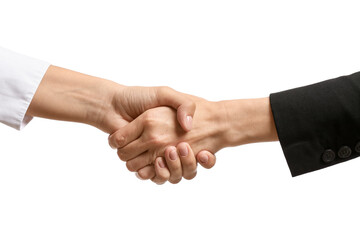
319, 125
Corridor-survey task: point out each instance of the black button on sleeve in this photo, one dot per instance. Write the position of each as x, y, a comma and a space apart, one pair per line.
344, 152
357, 147
328, 156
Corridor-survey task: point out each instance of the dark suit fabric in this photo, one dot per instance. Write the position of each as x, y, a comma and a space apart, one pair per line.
319, 125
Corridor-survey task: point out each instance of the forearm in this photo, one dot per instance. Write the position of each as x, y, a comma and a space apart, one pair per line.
248, 121
71, 96
231, 123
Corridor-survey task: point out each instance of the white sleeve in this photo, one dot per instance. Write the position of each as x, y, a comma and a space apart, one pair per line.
20, 76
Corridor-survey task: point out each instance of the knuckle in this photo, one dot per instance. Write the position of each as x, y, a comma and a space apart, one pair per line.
188, 163
211, 164
164, 89
189, 105
150, 114
192, 105
111, 142
168, 149
162, 177
175, 181
190, 176
158, 182
144, 175
122, 154
147, 115
155, 139
120, 140
148, 119
130, 166
150, 159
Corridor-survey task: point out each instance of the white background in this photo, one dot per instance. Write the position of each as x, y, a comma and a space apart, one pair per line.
60, 180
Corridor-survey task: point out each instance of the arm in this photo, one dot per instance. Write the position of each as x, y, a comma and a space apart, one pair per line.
31, 87
318, 125
248, 121
71, 96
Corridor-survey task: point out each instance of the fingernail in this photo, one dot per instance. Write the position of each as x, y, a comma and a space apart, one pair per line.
189, 122
161, 163
138, 176
204, 158
173, 155
183, 151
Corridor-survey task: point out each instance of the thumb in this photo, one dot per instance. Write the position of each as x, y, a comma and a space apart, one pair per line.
184, 105
206, 159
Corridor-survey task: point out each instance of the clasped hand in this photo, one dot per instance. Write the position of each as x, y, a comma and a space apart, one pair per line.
156, 146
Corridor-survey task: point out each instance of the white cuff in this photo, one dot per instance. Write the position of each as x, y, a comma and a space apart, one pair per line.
20, 77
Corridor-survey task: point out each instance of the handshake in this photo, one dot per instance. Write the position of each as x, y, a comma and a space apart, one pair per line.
160, 133
164, 129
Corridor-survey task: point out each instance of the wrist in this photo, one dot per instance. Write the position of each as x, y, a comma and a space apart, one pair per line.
71, 96
99, 103
209, 127
248, 121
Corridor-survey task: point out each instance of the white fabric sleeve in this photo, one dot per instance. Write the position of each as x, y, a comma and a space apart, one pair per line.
20, 76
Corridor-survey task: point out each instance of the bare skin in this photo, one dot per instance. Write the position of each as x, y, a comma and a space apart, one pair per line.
71, 96
216, 125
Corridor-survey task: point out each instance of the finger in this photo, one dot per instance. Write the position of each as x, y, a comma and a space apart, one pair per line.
139, 162
188, 160
184, 105
174, 165
206, 159
126, 134
146, 172
162, 173
132, 150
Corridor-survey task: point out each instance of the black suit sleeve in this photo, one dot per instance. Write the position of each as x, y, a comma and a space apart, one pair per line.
319, 125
